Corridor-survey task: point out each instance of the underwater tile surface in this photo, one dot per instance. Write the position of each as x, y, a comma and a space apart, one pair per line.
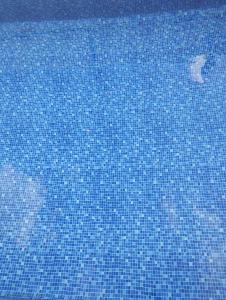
113, 158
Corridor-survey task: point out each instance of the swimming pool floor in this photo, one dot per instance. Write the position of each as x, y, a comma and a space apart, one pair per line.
113, 157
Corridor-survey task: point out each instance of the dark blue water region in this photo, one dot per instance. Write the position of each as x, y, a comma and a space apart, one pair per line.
31, 10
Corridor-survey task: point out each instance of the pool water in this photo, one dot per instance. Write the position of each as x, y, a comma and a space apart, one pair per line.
113, 154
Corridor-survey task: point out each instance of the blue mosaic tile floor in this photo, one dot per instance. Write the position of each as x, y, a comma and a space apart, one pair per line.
113, 157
